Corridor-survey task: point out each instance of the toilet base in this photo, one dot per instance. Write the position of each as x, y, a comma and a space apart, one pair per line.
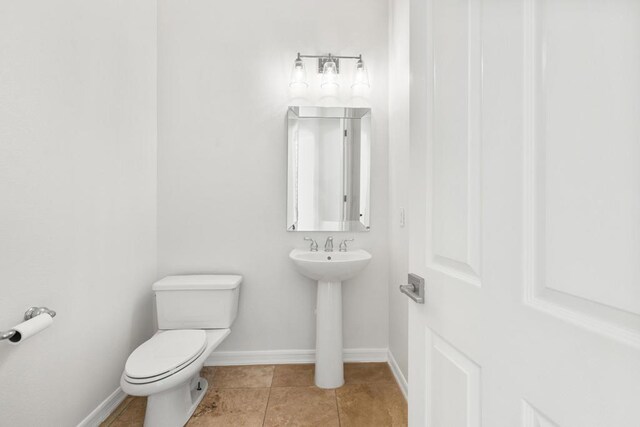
174, 407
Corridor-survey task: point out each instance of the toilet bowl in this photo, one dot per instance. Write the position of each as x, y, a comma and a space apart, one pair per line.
194, 316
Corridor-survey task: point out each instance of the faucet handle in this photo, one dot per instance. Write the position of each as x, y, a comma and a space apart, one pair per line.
343, 244
328, 244
314, 244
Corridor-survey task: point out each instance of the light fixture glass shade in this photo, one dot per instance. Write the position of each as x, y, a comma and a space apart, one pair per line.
329, 75
361, 79
298, 75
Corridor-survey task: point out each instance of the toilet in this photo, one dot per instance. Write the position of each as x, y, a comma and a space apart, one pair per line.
194, 315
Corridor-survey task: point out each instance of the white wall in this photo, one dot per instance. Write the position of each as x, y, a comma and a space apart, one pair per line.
77, 197
398, 177
223, 93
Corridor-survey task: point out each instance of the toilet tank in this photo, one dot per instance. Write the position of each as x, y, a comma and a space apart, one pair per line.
199, 301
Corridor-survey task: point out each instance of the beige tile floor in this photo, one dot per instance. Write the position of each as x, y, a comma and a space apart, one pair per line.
284, 395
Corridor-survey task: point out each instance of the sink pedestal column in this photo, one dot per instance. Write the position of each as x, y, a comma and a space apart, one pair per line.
329, 368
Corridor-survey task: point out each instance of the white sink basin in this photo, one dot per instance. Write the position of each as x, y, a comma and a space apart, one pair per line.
330, 266
329, 269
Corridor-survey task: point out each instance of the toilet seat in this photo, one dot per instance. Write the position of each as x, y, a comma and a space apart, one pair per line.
163, 355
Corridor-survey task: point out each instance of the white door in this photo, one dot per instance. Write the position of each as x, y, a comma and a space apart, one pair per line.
525, 215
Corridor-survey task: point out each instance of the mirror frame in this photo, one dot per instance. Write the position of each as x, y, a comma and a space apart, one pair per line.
302, 112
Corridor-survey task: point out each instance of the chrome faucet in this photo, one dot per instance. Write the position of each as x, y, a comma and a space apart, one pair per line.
314, 244
328, 245
343, 245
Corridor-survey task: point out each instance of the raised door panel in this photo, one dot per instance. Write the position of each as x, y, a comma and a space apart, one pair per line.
454, 140
583, 162
531, 417
453, 385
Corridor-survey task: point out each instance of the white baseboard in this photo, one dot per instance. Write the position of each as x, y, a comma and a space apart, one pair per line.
365, 354
104, 409
279, 357
402, 381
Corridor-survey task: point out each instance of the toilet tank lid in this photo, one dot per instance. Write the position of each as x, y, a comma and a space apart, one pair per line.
198, 282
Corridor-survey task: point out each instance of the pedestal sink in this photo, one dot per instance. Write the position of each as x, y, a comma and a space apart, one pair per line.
329, 269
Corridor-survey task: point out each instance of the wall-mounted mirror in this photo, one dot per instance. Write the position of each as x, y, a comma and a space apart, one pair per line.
329, 169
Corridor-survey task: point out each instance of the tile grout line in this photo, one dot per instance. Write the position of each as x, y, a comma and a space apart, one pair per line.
264, 418
119, 414
245, 388
266, 407
335, 395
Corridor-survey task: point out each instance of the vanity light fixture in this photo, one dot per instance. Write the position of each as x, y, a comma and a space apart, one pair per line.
362, 77
298, 74
330, 74
329, 67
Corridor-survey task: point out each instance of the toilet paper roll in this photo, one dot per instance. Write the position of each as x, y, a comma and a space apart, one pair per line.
26, 330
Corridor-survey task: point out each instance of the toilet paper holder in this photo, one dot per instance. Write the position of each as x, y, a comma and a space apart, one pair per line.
29, 314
